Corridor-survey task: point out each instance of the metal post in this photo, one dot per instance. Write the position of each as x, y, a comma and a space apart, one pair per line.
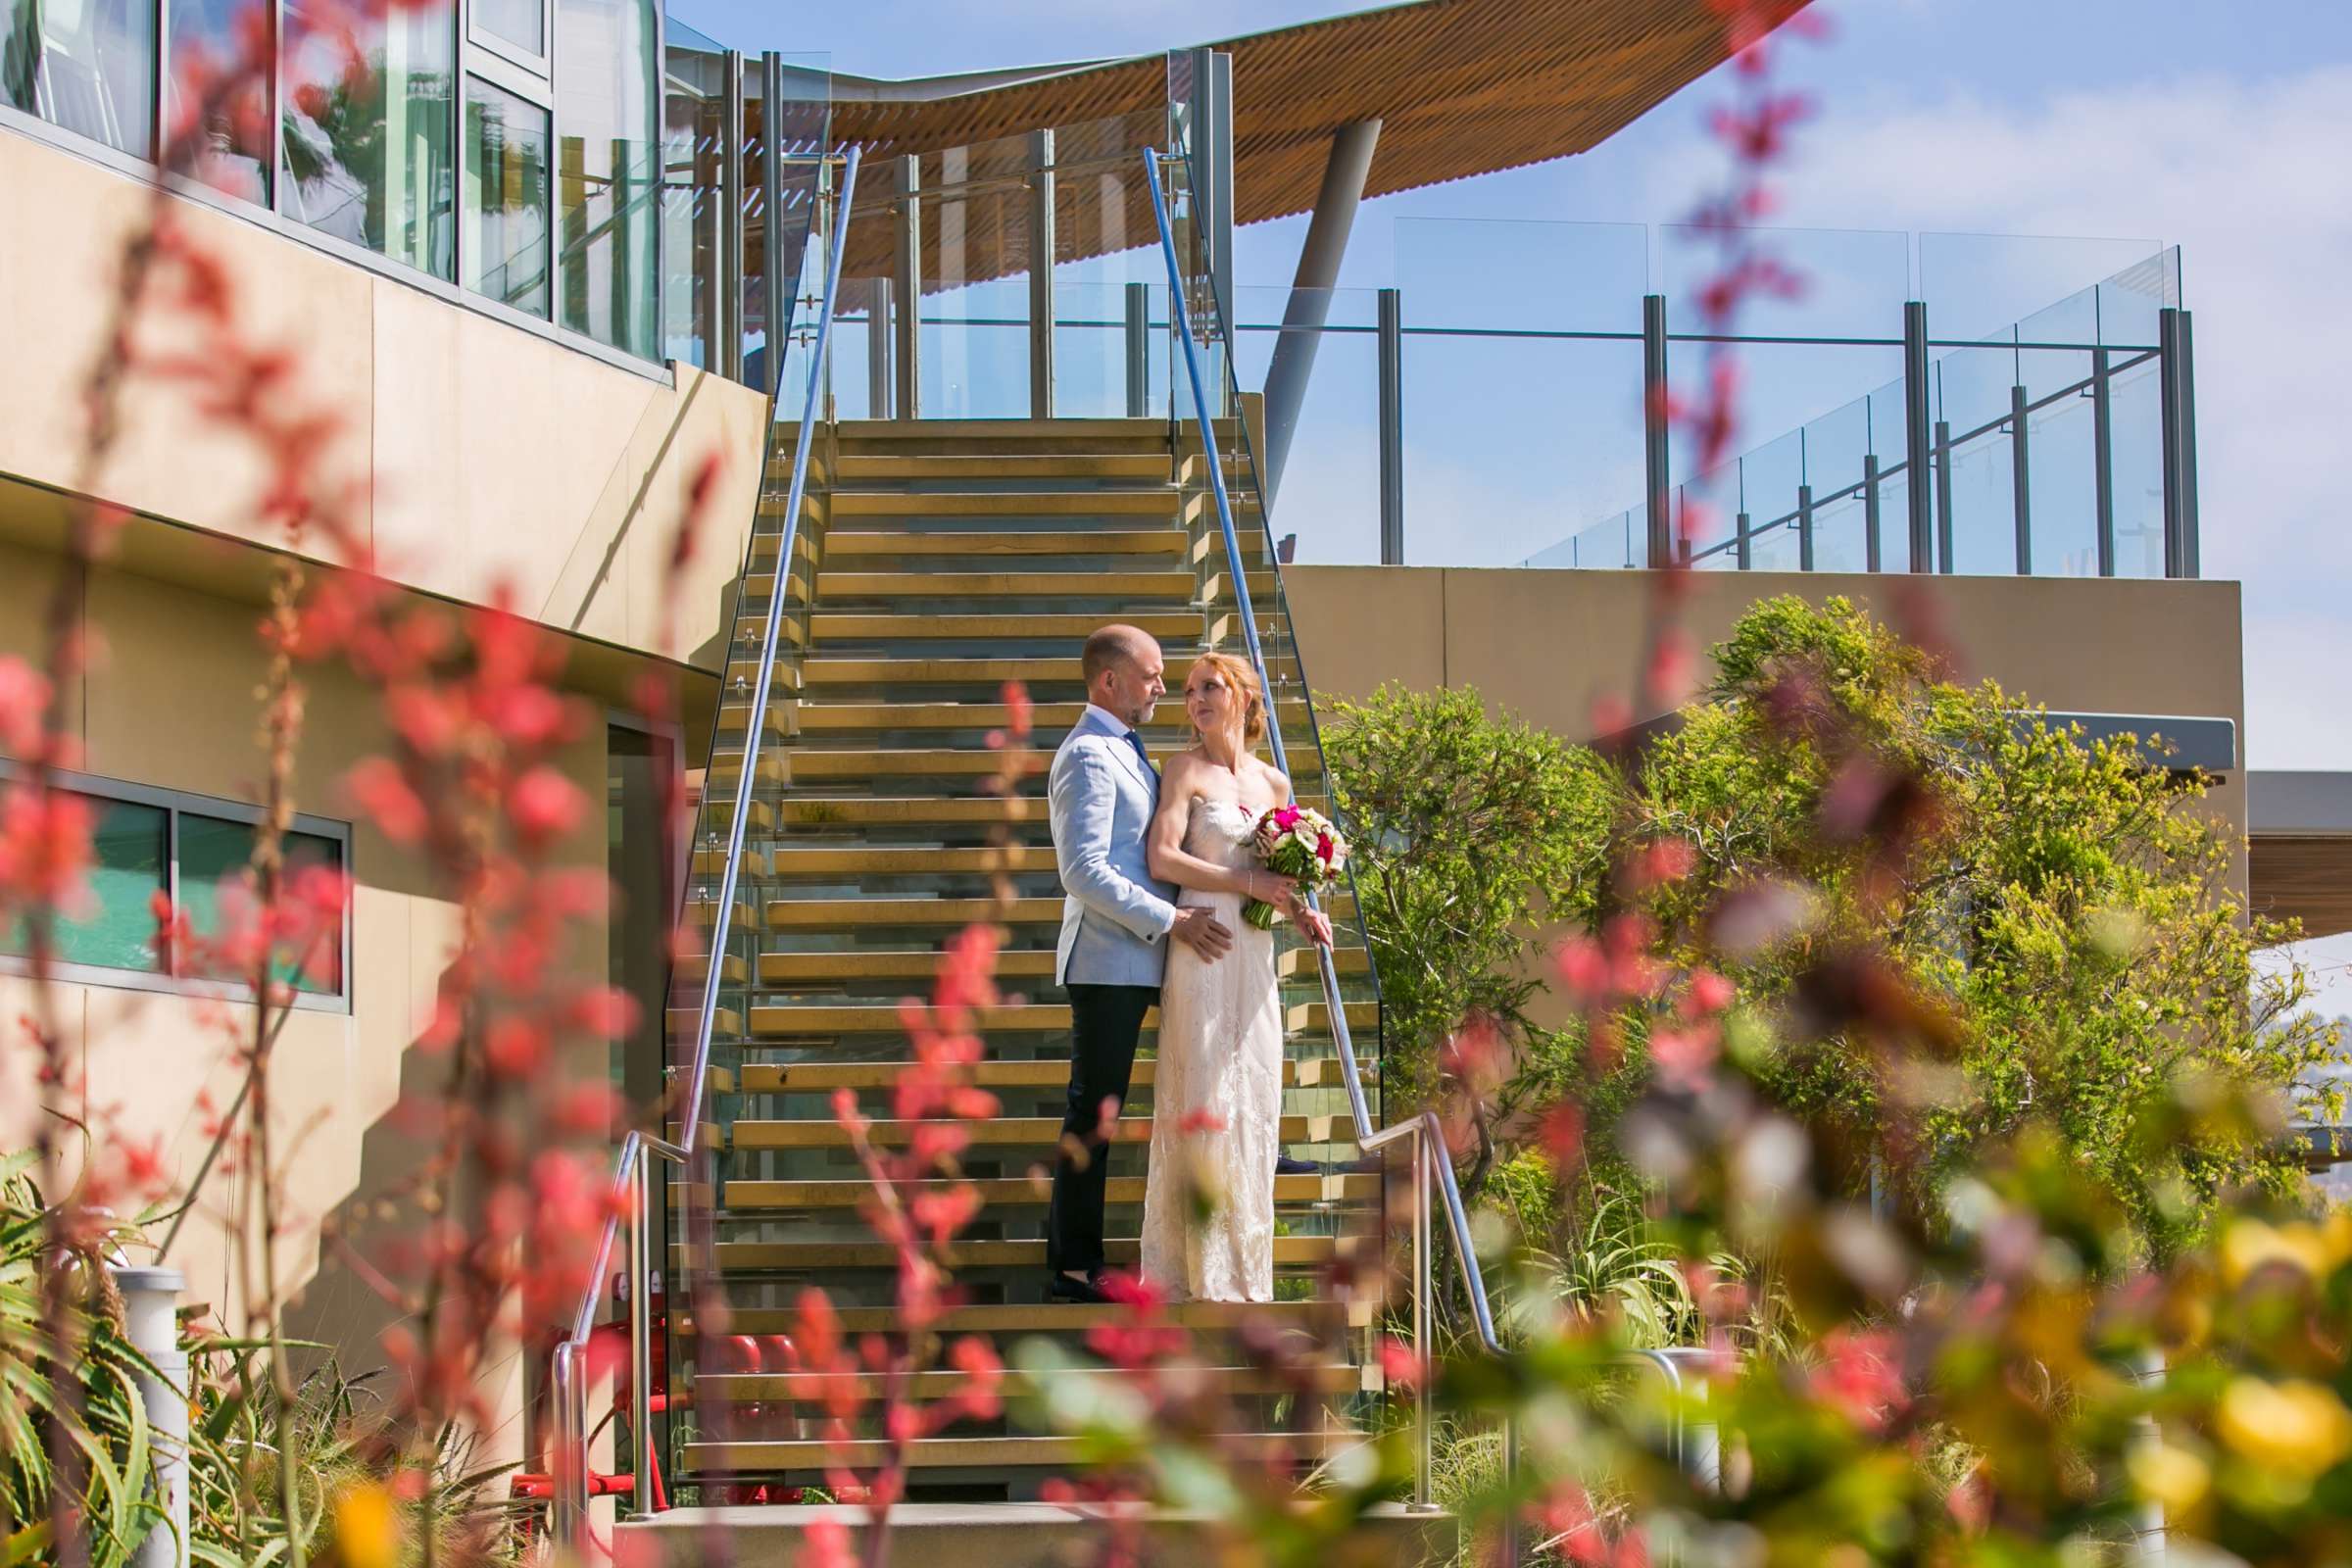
1870, 512
1391, 427
877, 347
1219, 175
1139, 350
641, 1326
775, 289
151, 1323
1915, 434
908, 326
2102, 459
1804, 527
729, 356
1422, 1358
2178, 385
2021, 486
1042, 250
1944, 496
1747, 549
1346, 168
1653, 427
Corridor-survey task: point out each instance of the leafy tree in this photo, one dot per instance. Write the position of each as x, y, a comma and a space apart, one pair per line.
2069, 909
1468, 830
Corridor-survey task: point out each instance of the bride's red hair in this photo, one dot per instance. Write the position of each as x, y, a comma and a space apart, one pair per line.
1241, 680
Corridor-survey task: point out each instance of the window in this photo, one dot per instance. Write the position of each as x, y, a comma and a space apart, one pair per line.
149, 841
86, 66
368, 106
233, 147
609, 170
505, 197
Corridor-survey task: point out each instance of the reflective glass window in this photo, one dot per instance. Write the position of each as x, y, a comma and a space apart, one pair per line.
113, 924
87, 65
609, 170
505, 197
219, 103
216, 894
367, 127
521, 23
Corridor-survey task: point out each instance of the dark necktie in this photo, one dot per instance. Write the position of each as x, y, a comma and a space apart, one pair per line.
1142, 755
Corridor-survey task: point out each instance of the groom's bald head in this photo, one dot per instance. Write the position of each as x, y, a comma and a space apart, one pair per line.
1123, 670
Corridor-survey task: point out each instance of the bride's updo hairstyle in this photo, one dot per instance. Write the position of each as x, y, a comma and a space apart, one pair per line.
1242, 681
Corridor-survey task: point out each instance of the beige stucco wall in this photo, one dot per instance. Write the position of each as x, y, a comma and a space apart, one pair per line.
1547, 644
484, 456
172, 704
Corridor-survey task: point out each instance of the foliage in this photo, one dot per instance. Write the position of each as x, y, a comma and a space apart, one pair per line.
2069, 909
1468, 828
351, 1503
107, 1423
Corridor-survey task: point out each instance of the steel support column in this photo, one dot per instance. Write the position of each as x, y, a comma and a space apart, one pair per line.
1871, 561
1944, 496
1917, 458
1655, 452
1746, 541
2021, 484
905, 327
1804, 527
729, 349
2178, 395
877, 347
1346, 168
1392, 428
776, 289
1040, 274
1139, 350
2102, 459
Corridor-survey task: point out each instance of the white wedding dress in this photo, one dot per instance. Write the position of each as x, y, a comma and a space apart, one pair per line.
1216, 1103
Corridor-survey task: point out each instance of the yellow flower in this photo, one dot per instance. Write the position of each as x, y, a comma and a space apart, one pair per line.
368, 1526
2295, 1427
2173, 1477
2308, 1248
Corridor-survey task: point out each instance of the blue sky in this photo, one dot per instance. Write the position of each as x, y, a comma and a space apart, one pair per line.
2219, 128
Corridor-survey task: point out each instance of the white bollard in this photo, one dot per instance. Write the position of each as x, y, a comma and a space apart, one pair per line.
150, 1310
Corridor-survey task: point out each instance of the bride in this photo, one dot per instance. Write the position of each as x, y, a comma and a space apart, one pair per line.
1216, 1118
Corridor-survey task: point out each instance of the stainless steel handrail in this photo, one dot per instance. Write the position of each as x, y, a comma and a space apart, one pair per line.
632, 1170
1432, 1164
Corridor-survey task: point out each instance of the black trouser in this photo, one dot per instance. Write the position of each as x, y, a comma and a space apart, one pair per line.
1105, 1024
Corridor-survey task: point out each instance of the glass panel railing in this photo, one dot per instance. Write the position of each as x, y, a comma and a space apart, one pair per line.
967, 243
1239, 438
712, 992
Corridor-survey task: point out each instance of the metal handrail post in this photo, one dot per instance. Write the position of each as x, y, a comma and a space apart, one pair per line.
631, 1169
641, 1340
1423, 1437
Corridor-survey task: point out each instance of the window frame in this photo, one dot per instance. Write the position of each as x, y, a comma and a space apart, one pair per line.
173, 803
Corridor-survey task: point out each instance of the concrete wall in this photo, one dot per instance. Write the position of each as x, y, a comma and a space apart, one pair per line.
173, 705
1545, 645
483, 456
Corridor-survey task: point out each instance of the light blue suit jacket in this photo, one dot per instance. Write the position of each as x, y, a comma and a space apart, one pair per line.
1115, 918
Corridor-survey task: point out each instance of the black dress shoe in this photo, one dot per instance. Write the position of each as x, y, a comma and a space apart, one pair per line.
1285, 1166
1065, 1287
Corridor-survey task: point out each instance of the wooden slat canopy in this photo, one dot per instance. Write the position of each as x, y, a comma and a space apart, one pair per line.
1461, 88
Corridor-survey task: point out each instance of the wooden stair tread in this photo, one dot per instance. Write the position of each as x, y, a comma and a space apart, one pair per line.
739, 1388
1061, 1317
790, 913
822, 1077
968, 1454
1354, 1187
861, 544
1122, 1251
1177, 583
868, 963
1034, 1132
823, 1018
1028, 627
1156, 502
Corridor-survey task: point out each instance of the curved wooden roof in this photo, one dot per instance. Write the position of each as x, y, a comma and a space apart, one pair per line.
1461, 88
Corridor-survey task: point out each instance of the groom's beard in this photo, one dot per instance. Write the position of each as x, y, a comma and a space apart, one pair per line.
1141, 713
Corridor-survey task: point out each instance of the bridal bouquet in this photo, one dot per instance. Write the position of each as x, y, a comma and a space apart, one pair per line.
1300, 844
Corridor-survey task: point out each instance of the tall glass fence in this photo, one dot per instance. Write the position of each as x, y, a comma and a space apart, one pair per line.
1012, 279
1495, 409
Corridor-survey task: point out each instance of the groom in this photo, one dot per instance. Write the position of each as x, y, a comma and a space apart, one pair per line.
1117, 923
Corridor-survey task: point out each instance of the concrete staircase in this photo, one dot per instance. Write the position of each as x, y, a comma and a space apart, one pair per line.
935, 562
